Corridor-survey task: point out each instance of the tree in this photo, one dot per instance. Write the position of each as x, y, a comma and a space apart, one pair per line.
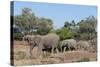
64, 33
45, 26
73, 23
26, 11
67, 24
31, 24
88, 28
26, 20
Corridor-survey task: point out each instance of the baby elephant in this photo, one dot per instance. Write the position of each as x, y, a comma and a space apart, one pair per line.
83, 45
68, 44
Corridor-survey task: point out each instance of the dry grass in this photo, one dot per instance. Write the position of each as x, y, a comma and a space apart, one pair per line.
21, 56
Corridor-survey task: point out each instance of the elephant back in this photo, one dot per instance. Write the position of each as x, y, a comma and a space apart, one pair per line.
83, 45
29, 38
50, 40
69, 42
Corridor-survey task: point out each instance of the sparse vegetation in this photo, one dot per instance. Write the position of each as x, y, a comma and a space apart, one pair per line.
17, 36
20, 55
85, 59
45, 55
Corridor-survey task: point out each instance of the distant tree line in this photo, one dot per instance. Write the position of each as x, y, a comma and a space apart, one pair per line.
28, 23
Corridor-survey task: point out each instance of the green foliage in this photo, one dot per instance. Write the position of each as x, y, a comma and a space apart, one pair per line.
67, 24
73, 23
27, 21
43, 31
87, 28
84, 30
45, 26
17, 36
64, 33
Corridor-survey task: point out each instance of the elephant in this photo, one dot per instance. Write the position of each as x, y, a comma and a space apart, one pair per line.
68, 43
44, 42
31, 39
49, 41
83, 45
93, 44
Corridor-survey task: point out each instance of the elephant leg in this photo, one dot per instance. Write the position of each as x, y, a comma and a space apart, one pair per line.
57, 51
44, 53
61, 49
23, 40
64, 49
40, 52
69, 48
31, 48
52, 50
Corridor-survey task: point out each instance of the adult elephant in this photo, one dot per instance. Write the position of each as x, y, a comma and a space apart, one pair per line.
32, 40
49, 41
68, 44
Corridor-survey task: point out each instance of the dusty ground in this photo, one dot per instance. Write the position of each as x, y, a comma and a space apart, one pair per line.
21, 56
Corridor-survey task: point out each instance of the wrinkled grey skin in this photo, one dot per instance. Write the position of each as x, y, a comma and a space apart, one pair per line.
83, 45
49, 41
32, 41
68, 43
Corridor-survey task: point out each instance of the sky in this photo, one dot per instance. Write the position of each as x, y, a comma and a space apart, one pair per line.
59, 13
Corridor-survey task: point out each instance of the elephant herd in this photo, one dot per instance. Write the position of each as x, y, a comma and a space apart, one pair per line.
51, 42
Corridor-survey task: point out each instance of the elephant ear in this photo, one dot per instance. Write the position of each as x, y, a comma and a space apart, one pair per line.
37, 39
27, 38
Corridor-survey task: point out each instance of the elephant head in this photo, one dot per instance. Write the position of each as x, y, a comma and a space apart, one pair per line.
33, 40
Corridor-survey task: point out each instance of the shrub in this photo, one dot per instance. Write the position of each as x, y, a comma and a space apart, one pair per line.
17, 36
85, 59
20, 55
64, 33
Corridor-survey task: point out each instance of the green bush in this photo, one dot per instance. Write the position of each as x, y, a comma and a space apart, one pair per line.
43, 31
20, 55
17, 36
84, 36
64, 33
